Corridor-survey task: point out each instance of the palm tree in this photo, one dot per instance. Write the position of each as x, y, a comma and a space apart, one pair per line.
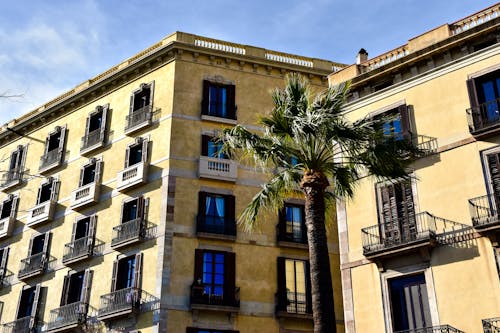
309, 147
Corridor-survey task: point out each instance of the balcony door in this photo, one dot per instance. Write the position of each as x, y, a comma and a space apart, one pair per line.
493, 161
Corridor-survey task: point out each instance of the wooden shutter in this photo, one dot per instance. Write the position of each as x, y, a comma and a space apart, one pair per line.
54, 190
151, 94
408, 211
397, 211
229, 276
198, 264
303, 223
47, 141
114, 275
494, 168
87, 283
138, 270
405, 121
46, 247
202, 199
30, 246
82, 172
19, 302
3, 263
65, 289
282, 223
98, 171
231, 101
104, 120
205, 97
13, 210
145, 152
127, 156
473, 98
389, 217
73, 230
61, 140
39, 194
140, 207
281, 274
91, 232
23, 157
229, 214
308, 287
34, 309
132, 97
205, 139
87, 125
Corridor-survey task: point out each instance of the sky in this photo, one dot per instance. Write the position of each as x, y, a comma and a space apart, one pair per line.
49, 46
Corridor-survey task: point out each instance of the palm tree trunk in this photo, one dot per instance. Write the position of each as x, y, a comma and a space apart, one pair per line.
313, 185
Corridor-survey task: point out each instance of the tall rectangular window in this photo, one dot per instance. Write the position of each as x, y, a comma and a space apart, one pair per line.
136, 152
216, 213
484, 96
127, 272
54, 149
291, 226
395, 124
47, 191
95, 129
294, 286
218, 100
14, 174
211, 147
141, 108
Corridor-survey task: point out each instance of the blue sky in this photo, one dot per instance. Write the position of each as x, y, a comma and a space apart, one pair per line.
48, 47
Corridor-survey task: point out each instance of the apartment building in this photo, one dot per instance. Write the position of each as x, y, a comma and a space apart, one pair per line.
423, 255
118, 210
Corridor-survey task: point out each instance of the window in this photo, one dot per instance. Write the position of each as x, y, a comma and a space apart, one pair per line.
95, 129
211, 147
396, 209
76, 287
133, 222
16, 166
90, 173
54, 149
214, 278
294, 286
8, 209
484, 96
38, 256
218, 100
133, 209
141, 106
291, 226
82, 239
4, 256
216, 213
395, 123
409, 303
127, 273
47, 191
27, 308
137, 152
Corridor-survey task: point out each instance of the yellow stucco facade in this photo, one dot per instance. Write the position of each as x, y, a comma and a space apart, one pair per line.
404, 269
158, 298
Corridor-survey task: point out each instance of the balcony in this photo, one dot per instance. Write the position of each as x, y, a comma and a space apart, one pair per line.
201, 300
32, 265
51, 160
85, 195
68, 317
128, 233
294, 305
484, 213
21, 325
132, 176
123, 302
139, 119
491, 325
11, 178
218, 168
92, 141
215, 227
41, 213
79, 249
484, 120
433, 329
426, 145
388, 239
6, 226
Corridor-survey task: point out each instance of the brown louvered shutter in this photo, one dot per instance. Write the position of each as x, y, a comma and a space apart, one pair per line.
205, 98
114, 275
229, 214
138, 270
231, 101
389, 216
308, 287
65, 288
281, 294
473, 98
86, 285
405, 121
408, 211
205, 139
127, 156
34, 308
229, 276
202, 201
145, 150
3, 263
91, 232
198, 264
303, 227
140, 207
494, 168
282, 224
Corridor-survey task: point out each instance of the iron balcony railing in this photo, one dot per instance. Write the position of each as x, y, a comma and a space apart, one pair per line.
200, 295
128, 231
426, 145
81, 247
120, 301
296, 236
32, 265
50, 158
483, 116
484, 211
67, 315
398, 233
216, 225
491, 325
21, 325
139, 117
92, 138
433, 329
293, 303
11, 177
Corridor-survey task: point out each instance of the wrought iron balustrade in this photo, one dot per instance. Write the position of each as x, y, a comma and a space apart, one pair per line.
33, 264
293, 303
139, 117
200, 295
68, 315
491, 325
129, 231
51, 158
81, 247
94, 138
21, 325
291, 237
216, 225
484, 211
433, 329
484, 116
120, 302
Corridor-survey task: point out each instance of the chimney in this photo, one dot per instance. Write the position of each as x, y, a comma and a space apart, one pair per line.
361, 57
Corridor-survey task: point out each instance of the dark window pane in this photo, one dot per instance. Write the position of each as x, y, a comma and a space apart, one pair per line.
82, 228
6, 209
135, 155
54, 141
26, 304
88, 174
38, 243
95, 122
45, 193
